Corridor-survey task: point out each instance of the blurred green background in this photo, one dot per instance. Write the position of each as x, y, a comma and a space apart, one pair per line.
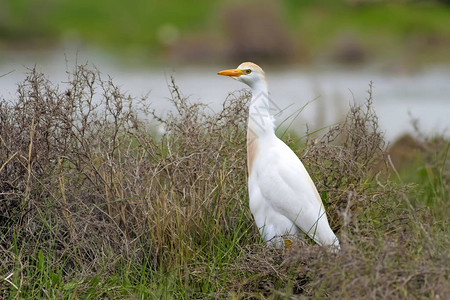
398, 32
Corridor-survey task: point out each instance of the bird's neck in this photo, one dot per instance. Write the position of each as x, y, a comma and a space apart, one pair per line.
260, 120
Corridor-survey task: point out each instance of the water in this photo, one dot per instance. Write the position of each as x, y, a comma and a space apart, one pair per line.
398, 98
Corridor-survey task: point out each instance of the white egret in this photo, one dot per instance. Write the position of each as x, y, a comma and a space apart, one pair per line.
283, 198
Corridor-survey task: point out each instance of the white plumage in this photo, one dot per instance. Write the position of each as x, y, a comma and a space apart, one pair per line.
283, 198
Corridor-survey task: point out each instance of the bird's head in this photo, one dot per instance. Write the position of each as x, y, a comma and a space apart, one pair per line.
248, 73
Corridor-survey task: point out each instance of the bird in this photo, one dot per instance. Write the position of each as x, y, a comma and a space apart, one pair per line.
282, 196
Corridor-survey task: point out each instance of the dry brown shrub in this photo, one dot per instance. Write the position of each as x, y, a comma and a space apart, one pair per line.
84, 174
345, 161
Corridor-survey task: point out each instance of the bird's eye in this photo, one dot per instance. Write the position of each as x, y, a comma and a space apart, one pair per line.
248, 71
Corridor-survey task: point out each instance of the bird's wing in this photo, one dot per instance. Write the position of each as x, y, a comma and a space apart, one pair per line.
287, 186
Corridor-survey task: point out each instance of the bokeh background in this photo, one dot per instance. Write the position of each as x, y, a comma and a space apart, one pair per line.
325, 52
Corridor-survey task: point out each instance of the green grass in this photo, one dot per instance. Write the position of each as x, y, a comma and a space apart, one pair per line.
417, 30
95, 206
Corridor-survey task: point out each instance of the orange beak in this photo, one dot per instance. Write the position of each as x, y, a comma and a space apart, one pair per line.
232, 72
